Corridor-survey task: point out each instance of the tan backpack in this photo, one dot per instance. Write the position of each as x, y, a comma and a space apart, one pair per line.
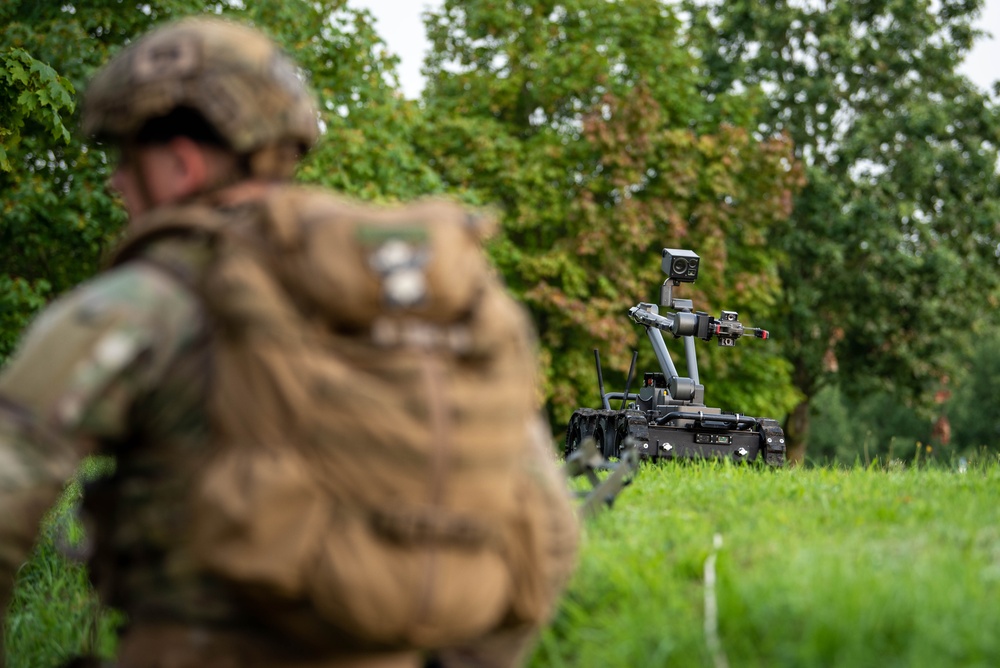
380, 470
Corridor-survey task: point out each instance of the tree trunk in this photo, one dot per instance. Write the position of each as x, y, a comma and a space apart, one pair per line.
797, 433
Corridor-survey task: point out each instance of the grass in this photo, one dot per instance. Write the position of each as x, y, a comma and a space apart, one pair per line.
818, 567
862, 566
54, 614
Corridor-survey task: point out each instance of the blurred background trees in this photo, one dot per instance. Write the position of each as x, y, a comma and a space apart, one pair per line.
835, 173
891, 254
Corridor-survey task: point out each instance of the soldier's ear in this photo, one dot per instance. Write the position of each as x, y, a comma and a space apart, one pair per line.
189, 166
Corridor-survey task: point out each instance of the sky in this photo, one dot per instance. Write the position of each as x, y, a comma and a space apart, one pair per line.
400, 25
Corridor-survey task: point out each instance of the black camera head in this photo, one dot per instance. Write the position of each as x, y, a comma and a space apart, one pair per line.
680, 265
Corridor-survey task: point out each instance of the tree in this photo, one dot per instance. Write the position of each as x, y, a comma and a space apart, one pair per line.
32, 90
367, 148
583, 123
56, 219
892, 245
972, 407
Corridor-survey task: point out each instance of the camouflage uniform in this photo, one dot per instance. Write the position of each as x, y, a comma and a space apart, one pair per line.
89, 367
119, 366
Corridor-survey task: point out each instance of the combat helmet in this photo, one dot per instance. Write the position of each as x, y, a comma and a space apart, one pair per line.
234, 76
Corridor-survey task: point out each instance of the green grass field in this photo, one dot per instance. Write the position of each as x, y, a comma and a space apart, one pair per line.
54, 614
818, 567
863, 566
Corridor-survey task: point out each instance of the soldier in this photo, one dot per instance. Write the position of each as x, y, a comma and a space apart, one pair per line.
210, 120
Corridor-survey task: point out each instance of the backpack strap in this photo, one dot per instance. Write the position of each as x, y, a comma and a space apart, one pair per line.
193, 221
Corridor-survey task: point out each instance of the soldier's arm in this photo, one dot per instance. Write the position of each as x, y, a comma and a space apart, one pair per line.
71, 384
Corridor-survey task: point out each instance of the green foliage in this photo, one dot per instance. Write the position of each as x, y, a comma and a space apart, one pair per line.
55, 614
848, 429
31, 89
583, 122
818, 567
892, 247
18, 299
972, 409
367, 148
57, 220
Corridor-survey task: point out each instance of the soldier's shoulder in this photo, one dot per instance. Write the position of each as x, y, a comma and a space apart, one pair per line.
135, 295
141, 284
95, 335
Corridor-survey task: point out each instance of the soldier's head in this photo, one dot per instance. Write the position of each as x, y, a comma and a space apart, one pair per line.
196, 105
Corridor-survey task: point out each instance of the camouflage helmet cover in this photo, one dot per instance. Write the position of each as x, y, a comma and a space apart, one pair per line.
239, 80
